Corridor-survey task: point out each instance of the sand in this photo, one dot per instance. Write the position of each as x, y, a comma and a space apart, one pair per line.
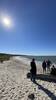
14, 84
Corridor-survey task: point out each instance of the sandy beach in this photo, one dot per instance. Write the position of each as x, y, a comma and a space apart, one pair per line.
14, 84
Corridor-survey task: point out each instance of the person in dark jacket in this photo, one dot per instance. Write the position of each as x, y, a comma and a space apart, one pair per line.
48, 65
33, 70
44, 66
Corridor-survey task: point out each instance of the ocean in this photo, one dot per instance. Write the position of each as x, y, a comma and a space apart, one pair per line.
42, 58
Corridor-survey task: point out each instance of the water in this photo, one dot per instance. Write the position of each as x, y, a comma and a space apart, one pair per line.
42, 58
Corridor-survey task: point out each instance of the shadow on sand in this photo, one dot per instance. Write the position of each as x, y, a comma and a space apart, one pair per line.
49, 93
45, 78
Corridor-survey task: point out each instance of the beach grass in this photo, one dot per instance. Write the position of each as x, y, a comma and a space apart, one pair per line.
4, 57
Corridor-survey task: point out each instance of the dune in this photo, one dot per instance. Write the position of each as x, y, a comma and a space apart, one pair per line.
14, 84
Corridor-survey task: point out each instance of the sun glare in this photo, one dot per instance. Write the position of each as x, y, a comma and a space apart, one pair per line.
6, 22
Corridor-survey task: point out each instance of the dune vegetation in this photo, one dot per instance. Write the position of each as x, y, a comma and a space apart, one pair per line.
4, 57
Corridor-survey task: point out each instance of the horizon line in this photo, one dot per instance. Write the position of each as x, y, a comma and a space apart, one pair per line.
23, 54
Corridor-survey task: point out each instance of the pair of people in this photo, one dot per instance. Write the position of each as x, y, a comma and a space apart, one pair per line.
46, 64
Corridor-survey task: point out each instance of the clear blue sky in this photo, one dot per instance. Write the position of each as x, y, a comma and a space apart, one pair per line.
34, 27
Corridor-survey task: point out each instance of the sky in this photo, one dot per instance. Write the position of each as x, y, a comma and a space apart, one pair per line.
32, 28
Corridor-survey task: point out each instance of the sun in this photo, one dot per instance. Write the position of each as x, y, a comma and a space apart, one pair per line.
6, 21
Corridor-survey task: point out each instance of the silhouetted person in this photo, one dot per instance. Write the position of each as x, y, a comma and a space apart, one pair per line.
33, 70
53, 70
53, 67
44, 66
48, 63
